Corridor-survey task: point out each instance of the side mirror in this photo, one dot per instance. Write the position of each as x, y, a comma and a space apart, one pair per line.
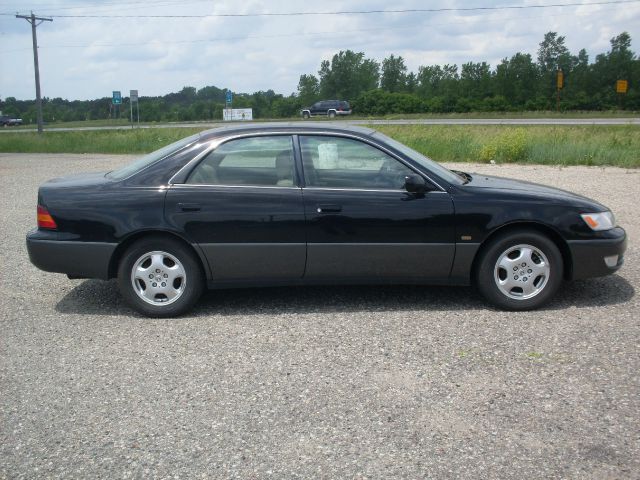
415, 184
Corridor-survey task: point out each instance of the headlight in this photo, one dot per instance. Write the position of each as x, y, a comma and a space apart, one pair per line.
599, 221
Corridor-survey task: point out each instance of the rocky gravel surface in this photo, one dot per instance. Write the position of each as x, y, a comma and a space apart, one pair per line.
330, 382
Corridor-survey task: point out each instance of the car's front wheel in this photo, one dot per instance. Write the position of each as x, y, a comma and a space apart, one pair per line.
305, 115
332, 114
519, 270
160, 277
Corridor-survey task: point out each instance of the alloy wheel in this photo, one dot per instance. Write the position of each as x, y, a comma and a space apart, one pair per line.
522, 272
158, 278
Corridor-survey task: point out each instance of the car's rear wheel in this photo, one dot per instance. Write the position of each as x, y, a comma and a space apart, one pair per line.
305, 115
332, 114
160, 277
519, 270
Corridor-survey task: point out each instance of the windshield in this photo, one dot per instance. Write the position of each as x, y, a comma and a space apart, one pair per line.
150, 158
423, 161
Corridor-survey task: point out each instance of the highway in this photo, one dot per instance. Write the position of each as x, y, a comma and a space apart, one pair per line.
423, 121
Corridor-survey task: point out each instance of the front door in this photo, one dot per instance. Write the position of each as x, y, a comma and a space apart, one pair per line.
242, 206
361, 222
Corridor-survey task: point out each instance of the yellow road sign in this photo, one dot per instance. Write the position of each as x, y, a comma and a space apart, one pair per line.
560, 80
622, 86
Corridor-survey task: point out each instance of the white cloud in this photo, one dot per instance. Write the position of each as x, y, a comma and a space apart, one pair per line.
89, 57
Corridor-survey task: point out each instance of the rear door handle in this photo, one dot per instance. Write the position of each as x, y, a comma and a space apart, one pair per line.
329, 208
189, 207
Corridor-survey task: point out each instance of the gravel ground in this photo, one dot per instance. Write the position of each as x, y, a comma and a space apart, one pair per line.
357, 382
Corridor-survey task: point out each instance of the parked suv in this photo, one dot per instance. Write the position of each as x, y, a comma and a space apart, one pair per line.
7, 121
330, 108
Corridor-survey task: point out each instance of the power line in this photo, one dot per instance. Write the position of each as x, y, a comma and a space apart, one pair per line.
357, 12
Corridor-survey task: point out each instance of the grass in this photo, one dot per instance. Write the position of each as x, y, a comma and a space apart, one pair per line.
617, 145
577, 114
94, 141
534, 355
540, 144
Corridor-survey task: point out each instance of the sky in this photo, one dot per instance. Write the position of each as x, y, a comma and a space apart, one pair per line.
86, 58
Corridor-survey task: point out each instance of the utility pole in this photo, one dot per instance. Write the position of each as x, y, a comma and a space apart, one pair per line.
35, 21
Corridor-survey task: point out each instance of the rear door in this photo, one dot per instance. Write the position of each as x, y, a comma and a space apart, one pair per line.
361, 222
319, 108
242, 205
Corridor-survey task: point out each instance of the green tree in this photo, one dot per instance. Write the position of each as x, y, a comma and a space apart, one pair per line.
552, 55
437, 80
412, 83
621, 57
348, 74
476, 80
619, 63
551, 52
394, 74
308, 89
516, 79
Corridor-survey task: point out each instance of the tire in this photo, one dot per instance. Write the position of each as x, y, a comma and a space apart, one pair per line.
160, 277
332, 114
305, 115
519, 270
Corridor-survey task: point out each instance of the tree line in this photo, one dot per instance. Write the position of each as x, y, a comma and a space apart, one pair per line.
518, 83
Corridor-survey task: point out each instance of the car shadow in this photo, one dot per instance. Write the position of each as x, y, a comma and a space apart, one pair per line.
96, 297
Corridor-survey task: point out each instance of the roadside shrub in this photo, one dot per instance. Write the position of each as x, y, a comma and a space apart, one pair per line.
379, 102
508, 146
496, 103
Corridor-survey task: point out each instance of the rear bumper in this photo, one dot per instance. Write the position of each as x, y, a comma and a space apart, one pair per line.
596, 258
76, 259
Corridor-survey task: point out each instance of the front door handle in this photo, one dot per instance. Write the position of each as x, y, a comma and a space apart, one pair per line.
329, 208
189, 207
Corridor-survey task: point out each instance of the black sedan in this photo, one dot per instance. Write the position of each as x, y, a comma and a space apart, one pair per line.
292, 204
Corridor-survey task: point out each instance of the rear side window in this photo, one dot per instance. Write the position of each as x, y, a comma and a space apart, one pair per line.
336, 162
257, 161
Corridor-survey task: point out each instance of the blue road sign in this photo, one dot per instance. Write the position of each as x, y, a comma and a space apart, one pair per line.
229, 96
117, 98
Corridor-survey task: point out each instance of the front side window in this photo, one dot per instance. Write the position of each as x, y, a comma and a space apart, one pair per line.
335, 162
423, 161
257, 161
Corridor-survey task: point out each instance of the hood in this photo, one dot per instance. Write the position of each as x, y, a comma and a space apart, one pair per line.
498, 184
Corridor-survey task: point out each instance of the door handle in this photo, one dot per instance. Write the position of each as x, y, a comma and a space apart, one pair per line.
189, 207
329, 208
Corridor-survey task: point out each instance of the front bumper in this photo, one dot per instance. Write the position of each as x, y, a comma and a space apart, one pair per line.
76, 259
596, 258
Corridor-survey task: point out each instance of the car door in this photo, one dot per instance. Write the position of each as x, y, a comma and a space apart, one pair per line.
318, 109
362, 224
242, 205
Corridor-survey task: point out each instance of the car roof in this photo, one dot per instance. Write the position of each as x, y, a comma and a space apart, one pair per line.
286, 127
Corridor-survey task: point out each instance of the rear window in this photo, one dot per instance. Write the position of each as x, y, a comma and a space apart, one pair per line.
151, 158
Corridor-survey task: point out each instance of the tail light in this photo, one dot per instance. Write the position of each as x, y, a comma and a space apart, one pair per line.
45, 220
